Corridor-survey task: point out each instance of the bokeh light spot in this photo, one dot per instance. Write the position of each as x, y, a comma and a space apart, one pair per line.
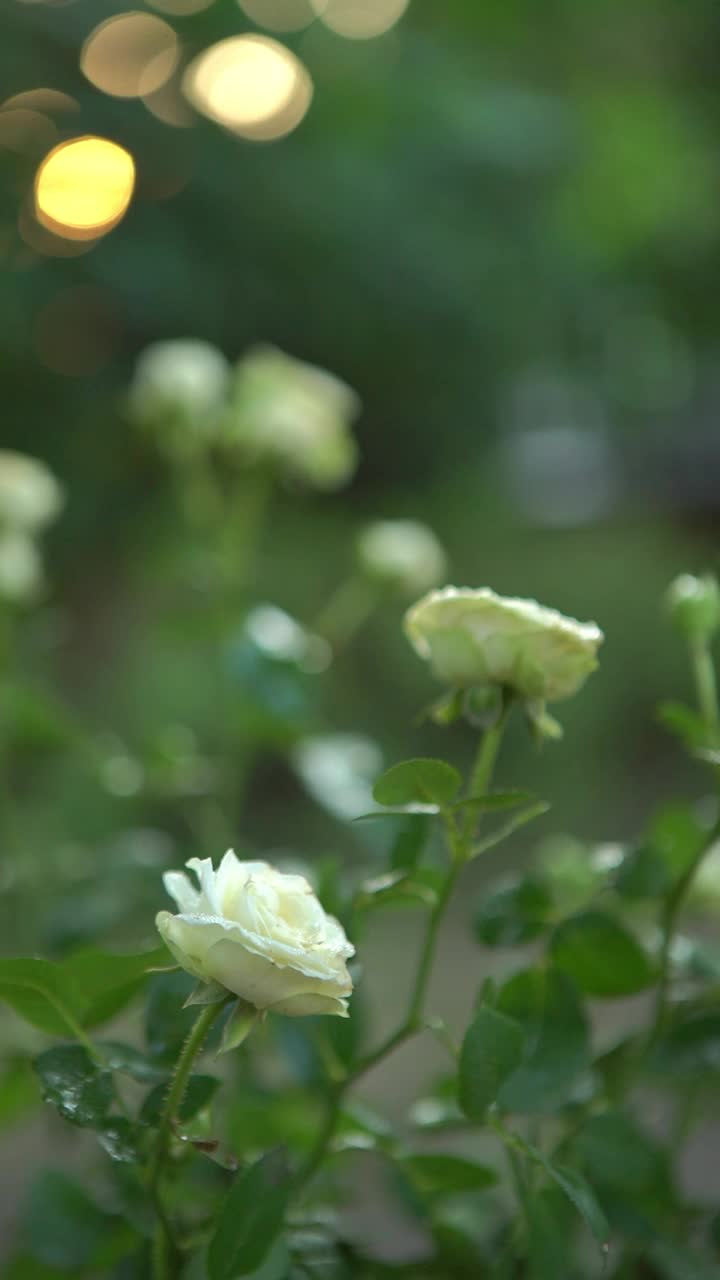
283, 15
250, 84
25, 131
51, 100
83, 187
130, 54
360, 19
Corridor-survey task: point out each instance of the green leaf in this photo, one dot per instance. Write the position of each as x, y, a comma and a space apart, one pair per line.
109, 982
556, 1059
408, 844
198, 1094
513, 824
689, 1051
515, 913
132, 1062
622, 1157
601, 956
495, 801
117, 1137
579, 1193
418, 782
688, 725
81, 1090
42, 994
643, 873
491, 1051
440, 1174
251, 1218
398, 888
238, 1026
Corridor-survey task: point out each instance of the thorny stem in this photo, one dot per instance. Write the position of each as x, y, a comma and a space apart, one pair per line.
164, 1250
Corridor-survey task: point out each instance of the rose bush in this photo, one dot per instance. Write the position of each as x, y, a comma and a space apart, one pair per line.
260, 934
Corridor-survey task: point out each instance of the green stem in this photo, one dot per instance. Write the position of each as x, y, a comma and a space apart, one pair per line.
347, 610
671, 912
482, 770
414, 1018
164, 1249
705, 683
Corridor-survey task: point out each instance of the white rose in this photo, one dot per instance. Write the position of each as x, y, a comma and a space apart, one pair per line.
30, 496
180, 384
296, 414
260, 934
477, 637
402, 553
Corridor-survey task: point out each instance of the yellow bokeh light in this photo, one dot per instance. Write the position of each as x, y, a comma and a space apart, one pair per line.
42, 100
130, 55
250, 84
283, 15
360, 19
83, 187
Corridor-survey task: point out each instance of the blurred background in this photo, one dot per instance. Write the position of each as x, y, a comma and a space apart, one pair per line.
499, 226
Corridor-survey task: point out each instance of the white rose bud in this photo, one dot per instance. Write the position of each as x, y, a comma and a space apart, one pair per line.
260, 934
694, 604
182, 382
296, 414
30, 496
21, 572
477, 637
404, 554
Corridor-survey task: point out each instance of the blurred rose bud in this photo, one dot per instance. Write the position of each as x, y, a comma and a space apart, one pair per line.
294, 414
477, 637
30, 496
694, 605
178, 390
260, 934
402, 554
21, 572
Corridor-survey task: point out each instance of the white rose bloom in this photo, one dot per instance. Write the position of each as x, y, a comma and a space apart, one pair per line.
30, 496
184, 377
296, 414
260, 934
20, 566
477, 637
402, 553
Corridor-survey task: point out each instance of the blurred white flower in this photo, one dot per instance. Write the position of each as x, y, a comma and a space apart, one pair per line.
180, 386
30, 496
477, 637
260, 934
338, 771
404, 554
21, 572
295, 414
